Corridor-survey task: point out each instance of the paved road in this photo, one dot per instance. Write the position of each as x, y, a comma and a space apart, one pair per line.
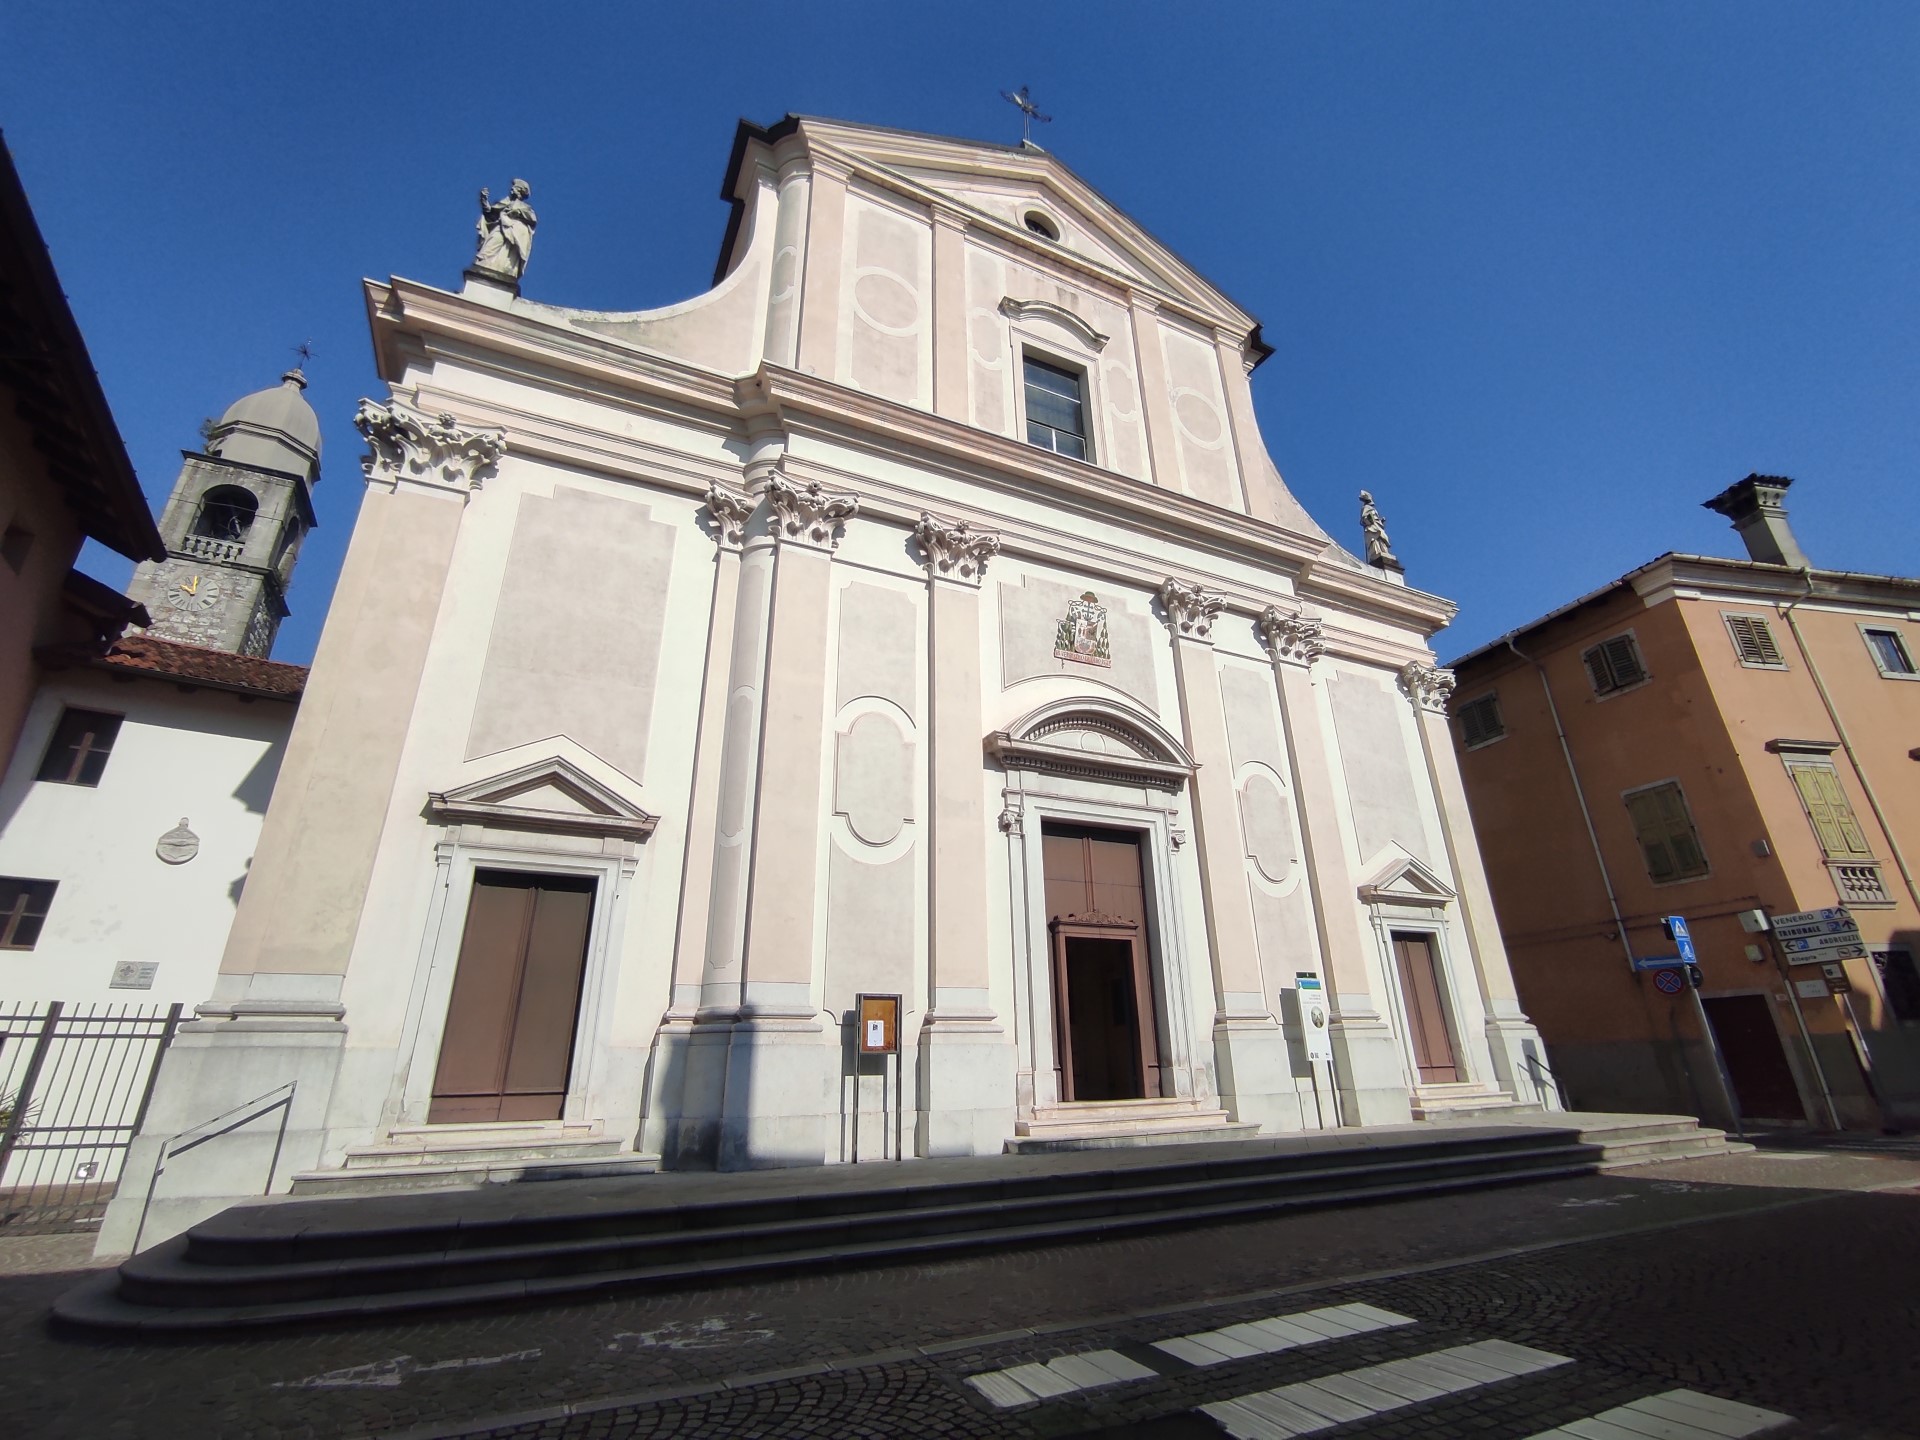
1780, 1281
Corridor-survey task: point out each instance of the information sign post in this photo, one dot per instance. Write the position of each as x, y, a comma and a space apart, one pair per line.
1315, 1018
1785, 961
877, 1021
1690, 962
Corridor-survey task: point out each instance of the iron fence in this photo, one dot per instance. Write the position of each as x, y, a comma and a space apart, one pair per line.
75, 1081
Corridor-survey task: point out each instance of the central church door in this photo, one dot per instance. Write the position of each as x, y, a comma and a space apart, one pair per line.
1105, 1041
508, 1046
1426, 1014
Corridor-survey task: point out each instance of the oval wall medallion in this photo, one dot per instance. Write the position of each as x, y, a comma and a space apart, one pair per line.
1197, 418
178, 845
886, 301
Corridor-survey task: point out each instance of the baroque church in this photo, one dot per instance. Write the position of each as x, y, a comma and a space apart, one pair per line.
888, 706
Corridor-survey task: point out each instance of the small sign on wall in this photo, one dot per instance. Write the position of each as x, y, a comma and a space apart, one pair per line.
1314, 1015
134, 975
879, 1022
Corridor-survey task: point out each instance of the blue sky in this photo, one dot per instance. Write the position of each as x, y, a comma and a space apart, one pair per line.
1541, 276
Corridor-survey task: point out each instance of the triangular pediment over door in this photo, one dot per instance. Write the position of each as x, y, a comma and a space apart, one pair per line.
1405, 881
552, 795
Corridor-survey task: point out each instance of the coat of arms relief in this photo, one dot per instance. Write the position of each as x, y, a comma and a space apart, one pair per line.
1082, 635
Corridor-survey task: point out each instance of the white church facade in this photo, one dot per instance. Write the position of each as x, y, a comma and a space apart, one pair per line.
916, 614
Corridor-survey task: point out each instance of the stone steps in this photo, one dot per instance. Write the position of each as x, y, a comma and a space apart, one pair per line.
308, 1260
464, 1169
1117, 1124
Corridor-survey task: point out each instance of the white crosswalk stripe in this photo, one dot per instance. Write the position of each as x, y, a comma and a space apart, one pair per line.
1676, 1415
1314, 1405
1024, 1384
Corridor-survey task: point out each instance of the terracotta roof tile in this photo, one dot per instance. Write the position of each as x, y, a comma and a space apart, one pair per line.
194, 664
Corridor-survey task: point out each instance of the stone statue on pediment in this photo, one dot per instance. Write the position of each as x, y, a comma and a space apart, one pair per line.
1379, 547
505, 231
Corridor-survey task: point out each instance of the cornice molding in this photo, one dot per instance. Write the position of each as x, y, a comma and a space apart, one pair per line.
1059, 314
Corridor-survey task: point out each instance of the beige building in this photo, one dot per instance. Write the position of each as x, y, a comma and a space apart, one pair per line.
1708, 738
916, 614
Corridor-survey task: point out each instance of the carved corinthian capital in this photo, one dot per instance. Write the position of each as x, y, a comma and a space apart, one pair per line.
1190, 610
409, 444
1292, 637
957, 551
809, 512
730, 510
1427, 686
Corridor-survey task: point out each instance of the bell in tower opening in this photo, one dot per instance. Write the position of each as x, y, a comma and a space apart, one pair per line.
234, 524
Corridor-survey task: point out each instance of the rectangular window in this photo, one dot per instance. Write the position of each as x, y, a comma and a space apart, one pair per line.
1668, 841
1480, 721
1828, 810
1614, 665
1753, 642
78, 752
1056, 409
23, 910
1889, 651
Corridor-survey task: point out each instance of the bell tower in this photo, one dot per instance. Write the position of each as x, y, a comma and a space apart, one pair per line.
234, 524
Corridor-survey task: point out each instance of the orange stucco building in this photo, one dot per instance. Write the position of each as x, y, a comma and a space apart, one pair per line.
1706, 738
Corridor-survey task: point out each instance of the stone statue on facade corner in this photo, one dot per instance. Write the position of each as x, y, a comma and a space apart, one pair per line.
505, 232
1379, 547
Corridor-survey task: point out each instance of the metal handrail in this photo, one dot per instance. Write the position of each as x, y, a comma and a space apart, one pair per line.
171, 1149
1539, 1067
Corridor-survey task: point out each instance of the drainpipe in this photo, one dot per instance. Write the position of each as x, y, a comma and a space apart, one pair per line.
1580, 794
1846, 741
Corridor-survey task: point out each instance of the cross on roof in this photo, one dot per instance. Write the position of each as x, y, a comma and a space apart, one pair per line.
1029, 112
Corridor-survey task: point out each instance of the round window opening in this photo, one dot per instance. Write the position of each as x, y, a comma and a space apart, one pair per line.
1041, 225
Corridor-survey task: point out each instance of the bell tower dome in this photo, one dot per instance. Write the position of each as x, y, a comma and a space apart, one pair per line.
234, 524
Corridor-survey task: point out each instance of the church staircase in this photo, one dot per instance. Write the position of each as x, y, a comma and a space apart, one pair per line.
299, 1260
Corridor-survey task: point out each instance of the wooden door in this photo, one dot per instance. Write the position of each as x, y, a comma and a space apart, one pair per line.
1756, 1060
508, 1045
1107, 1045
1426, 1013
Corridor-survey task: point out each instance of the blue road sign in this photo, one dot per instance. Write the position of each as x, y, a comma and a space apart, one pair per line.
1682, 939
1669, 982
1657, 962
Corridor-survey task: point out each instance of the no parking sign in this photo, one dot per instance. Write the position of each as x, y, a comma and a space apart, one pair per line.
1669, 982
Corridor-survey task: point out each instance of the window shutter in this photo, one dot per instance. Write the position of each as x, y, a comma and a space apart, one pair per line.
1597, 671
1649, 826
1834, 823
1480, 720
1623, 660
1753, 640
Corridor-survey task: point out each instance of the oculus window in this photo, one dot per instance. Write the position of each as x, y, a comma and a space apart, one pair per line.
1056, 408
77, 754
23, 910
1614, 665
1668, 842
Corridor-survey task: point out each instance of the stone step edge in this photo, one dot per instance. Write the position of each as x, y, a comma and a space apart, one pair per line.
94, 1306
1517, 1141
1080, 1140
168, 1263
469, 1174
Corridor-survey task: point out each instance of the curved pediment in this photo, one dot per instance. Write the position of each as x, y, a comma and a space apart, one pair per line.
547, 795
1094, 739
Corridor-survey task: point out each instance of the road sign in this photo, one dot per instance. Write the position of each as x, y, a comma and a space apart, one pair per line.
1818, 937
1314, 1016
1812, 922
1836, 978
1669, 982
1682, 937
1825, 948
1657, 962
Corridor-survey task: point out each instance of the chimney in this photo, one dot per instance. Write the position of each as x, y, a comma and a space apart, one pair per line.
1753, 505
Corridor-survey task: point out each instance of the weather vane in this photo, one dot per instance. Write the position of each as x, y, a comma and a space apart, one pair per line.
1029, 112
305, 351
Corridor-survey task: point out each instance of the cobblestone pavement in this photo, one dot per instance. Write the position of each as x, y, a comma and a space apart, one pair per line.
1775, 1281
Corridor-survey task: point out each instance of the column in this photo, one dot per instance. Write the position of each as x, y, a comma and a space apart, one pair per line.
275, 1014
967, 1060
1251, 1061
778, 1109
1369, 1077
1510, 1034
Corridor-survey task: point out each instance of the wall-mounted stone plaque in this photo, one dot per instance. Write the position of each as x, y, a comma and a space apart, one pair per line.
134, 975
178, 845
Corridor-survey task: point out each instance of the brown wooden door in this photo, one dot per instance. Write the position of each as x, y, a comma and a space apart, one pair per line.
1426, 1014
508, 1044
1756, 1060
1106, 1035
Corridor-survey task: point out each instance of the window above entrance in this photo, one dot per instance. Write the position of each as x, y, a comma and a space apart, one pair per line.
1096, 740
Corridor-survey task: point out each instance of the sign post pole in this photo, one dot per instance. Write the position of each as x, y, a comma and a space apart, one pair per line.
1781, 961
1683, 942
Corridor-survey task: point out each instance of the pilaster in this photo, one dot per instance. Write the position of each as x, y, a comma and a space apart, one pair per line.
950, 362
1156, 400
1369, 1079
967, 1060
1428, 688
820, 288
1251, 1060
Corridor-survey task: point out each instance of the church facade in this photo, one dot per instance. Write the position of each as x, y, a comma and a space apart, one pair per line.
907, 646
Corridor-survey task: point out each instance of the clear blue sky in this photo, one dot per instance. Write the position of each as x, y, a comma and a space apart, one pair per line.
1541, 276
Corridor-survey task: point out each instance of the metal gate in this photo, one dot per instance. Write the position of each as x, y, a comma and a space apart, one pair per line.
75, 1081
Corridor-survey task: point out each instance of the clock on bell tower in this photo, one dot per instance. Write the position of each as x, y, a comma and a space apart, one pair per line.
234, 524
